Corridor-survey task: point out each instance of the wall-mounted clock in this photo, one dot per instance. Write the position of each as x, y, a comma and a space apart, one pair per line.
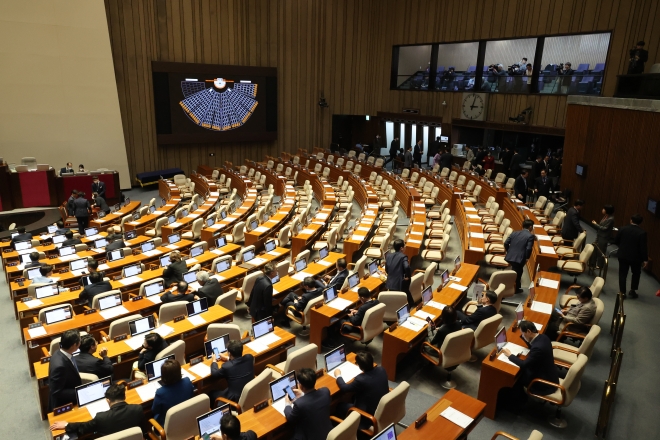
474, 106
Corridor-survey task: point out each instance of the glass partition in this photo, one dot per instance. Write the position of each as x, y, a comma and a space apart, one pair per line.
508, 66
413, 68
457, 65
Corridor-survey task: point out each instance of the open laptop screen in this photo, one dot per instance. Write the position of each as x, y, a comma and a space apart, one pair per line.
130, 271
209, 423
92, 391
262, 327
300, 265
278, 388
196, 250
210, 221
248, 255
500, 339
445, 277
427, 295
115, 255
388, 433
148, 246
222, 266
46, 291
373, 267
101, 243
335, 358
91, 231
130, 235
153, 288
190, 277
110, 301
329, 294
59, 314
153, 368
402, 314
323, 252
197, 307
59, 238
33, 273
22, 245
68, 250
353, 280
52, 229
165, 261
270, 245
142, 325
78, 264
217, 346
174, 238
220, 242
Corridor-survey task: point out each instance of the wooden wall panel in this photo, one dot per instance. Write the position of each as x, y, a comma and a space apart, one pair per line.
340, 48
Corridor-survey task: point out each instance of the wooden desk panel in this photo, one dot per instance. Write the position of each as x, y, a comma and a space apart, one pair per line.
115, 217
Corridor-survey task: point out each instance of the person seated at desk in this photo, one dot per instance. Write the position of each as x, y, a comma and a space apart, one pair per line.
63, 376
450, 324
152, 345
67, 169
81, 168
211, 289
22, 236
88, 363
309, 413
115, 242
100, 203
70, 240
93, 267
581, 313
237, 369
119, 417
539, 363
368, 387
97, 286
175, 389
230, 428
356, 316
60, 227
311, 289
179, 293
338, 279
46, 277
174, 272
484, 310
34, 260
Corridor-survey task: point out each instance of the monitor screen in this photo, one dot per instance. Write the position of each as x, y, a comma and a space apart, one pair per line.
210, 221
116, 207
254, 225
197, 307
174, 238
136, 216
388, 433
68, 250
275, 279
445, 277
163, 202
220, 242
142, 325
152, 209
427, 295
153, 288
300, 265
130, 235
101, 214
171, 219
193, 207
100, 243
652, 206
402, 314
329, 294
52, 229
25, 258
92, 391
46, 291
184, 213
263, 327
59, 314
148, 246
223, 214
353, 280
209, 423
165, 261
335, 358
520, 312
196, 250
248, 255
500, 339
115, 255
217, 346
222, 265
133, 270
91, 231
278, 387
270, 245
581, 170
373, 267
22, 245
323, 252
457, 262
110, 301
190, 277
33, 273
153, 368
59, 238
78, 264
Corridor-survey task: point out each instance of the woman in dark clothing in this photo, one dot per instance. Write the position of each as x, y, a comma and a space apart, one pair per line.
175, 390
450, 324
152, 345
174, 272
603, 235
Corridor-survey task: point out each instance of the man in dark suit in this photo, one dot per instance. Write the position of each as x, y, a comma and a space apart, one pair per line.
516, 161
60, 227
70, 241
520, 188
506, 159
417, 153
100, 203
356, 316
81, 210
571, 228
337, 281
397, 268
518, 250
97, 286
446, 159
479, 158
119, 417
174, 272
211, 289
88, 363
98, 187
116, 242
22, 236
539, 363
367, 388
538, 166
309, 413
67, 169
70, 207
237, 369
34, 260
484, 310
543, 185
230, 429
179, 293
63, 376
394, 149
261, 299
311, 289
632, 254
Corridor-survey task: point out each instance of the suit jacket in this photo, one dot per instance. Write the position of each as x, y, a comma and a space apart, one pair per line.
149, 355
81, 207
368, 387
33, 264
516, 160
21, 237
310, 415
99, 188
407, 159
362, 310
539, 363
538, 167
603, 229
446, 160
521, 187
168, 396
307, 296
338, 280
542, 187
479, 315
70, 208
211, 291
579, 314
62, 379
417, 151
120, 416
101, 203
174, 272
88, 363
170, 297
261, 299
571, 228
397, 268
66, 170
506, 159
444, 330
394, 148
519, 246
91, 290
71, 242
238, 372
116, 245
631, 240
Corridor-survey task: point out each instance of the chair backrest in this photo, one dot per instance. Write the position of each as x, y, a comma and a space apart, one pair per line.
535, 435
414, 177
159, 224
87, 378
600, 307
317, 168
134, 433
489, 202
415, 289
120, 326
585, 255
461, 180
510, 183
470, 185
216, 261
284, 236
196, 228
177, 348
597, 286
256, 390
500, 177
100, 296
228, 300
238, 233
239, 256
169, 311
347, 429
429, 272
181, 419
393, 301
504, 226
361, 266
540, 203
571, 382
372, 324
302, 358
304, 255
589, 341
248, 284
559, 219
484, 335
444, 173
216, 330
392, 406
506, 278
405, 173
477, 192
456, 348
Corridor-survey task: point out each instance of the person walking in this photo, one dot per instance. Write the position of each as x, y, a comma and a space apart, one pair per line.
633, 254
518, 249
603, 236
81, 211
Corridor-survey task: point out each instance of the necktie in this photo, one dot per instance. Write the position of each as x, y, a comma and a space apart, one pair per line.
544, 180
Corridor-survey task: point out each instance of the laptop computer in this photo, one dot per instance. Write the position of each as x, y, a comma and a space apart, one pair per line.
254, 224
184, 213
101, 214
300, 265
190, 276
127, 200
403, 314
388, 433
92, 391
147, 246
25, 258
67, 250
445, 278
130, 271
427, 295
136, 216
263, 327
282, 387
59, 314
173, 238
209, 423
90, 232
141, 325
217, 345
152, 209
222, 266
116, 207
337, 359
59, 238
163, 202
46, 291
153, 289
353, 280
196, 251
165, 261
171, 219
373, 268
110, 301
457, 263
80, 264
115, 255
323, 252
153, 369
210, 221
22, 245
500, 339
197, 307
130, 235
34, 272
220, 242
270, 245
52, 229
223, 214
100, 243
247, 256
275, 279
193, 207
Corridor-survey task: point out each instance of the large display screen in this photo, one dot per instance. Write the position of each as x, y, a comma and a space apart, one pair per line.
214, 103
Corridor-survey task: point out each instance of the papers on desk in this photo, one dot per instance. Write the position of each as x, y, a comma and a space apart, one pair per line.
148, 391
456, 279
307, 231
503, 358
476, 249
545, 282
197, 320
202, 370
413, 324
538, 326
541, 307
339, 303
476, 235
172, 246
325, 263
547, 250
476, 217
190, 261
217, 252
269, 339
280, 405
362, 228
436, 305
151, 253
274, 253
516, 349
99, 250
192, 216
543, 237
155, 299
194, 285
27, 251
257, 261
69, 257
216, 226
94, 237
158, 212
174, 225
457, 417
348, 371
113, 312
300, 276
414, 241
468, 209
261, 229
32, 303
257, 346
97, 407
164, 330
357, 237
103, 267
458, 287
36, 332
423, 315
135, 342
130, 280
185, 373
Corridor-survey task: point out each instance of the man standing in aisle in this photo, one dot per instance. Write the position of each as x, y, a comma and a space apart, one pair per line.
397, 268
394, 149
518, 249
632, 254
417, 153
571, 227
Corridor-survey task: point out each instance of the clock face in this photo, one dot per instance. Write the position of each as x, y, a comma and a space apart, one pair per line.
473, 106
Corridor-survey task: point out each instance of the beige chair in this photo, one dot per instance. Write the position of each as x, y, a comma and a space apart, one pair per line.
284, 236
243, 251
55, 343
506, 278
360, 266
429, 272
216, 262
237, 234
576, 267
496, 260
436, 254
576, 330
347, 429
565, 392
372, 326
595, 288
554, 227
169, 311
228, 300
177, 348
303, 318
566, 355
254, 392
535, 435
475, 197
248, 283
87, 378
304, 357
498, 248
119, 327
378, 252
156, 231
134, 433
216, 330
331, 241
455, 350
180, 420
390, 410
393, 301
195, 231
416, 287
484, 335
573, 247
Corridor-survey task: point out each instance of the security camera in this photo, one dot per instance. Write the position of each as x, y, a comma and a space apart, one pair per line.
323, 103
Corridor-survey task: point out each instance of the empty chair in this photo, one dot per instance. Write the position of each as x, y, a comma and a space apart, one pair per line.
484, 335
169, 311
347, 429
134, 433
237, 234
416, 287
216, 330
571, 247
181, 420
156, 231
304, 357
455, 350
576, 267
228, 300
393, 301
248, 284
506, 278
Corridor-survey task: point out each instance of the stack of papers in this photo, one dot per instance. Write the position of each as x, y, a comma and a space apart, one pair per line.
269, 339
476, 235
541, 307
202, 370
503, 358
545, 282
135, 342
436, 305
457, 417
423, 315
114, 311
300, 276
33, 303
274, 253
151, 253
36, 332
339, 304
257, 347
97, 406
172, 246
261, 229
348, 371
547, 250
413, 324
155, 299
307, 231
174, 225
325, 263
357, 237
130, 280
458, 287
456, 279
197, 320
217, 252
516, 349
164, 330
148, 391
103, 267
257, 261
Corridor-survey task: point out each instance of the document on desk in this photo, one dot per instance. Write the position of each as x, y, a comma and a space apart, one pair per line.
155, 299
103, 267
516, 349
300, 276
436, 305
164, 330
538, 326
545, 282
280, 405
194, 285
261, 229
269, 339
216, 226
476, 249
348, 371
468, 209
414, 241
339, 304
455, 279
202, 370
114, 311
158, 212
172, 246
412, 325
547, 250
130, 280
458, 287
185, 373
473, 216
135, 342
476, 235
197, 320
503, 358
37, 331
174, 225
423, 315
257, 346
457, 417
218, 252
357, 237
94, 237
258, 261
97, 407
151, 253
69, 257
362, 228
32, 303
543, 237
325, 263
148, 391
274, 253
541, 307
307, 231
